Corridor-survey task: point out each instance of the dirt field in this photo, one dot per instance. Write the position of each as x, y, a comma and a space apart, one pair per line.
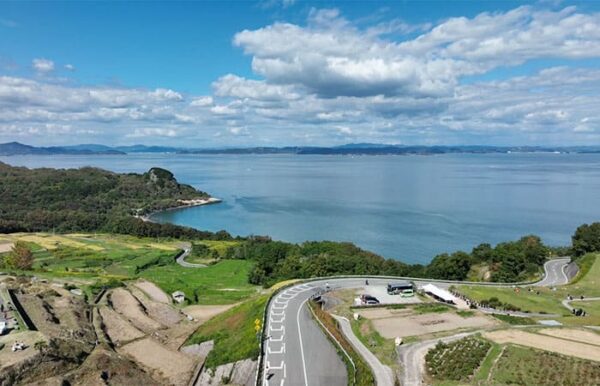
128, 306
118, 329
173, 365
203, 313
153, 292
543, 342
7, 357
391, 325
583, 336
161, 312
5, 247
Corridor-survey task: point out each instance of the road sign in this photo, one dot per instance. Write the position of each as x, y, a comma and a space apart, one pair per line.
257, 328
257, 322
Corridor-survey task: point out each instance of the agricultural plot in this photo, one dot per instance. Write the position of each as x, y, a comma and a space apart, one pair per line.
87, 258
456, 361
527, 366
222, 283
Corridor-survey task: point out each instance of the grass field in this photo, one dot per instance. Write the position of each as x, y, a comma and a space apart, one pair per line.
222, 283
233, 333
382, 348
545, 302
526, 366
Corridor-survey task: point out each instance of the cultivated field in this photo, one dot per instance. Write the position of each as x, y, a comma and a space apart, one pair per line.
545, 342
579, 335
525, 366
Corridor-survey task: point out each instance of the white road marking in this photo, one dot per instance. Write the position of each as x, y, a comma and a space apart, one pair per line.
281, 350
301, 345
282, 328
277, 321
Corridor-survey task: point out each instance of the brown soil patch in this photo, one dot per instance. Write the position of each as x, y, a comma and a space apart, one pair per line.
380, 313
203, 313
118, 329
176, 367
153, 292
583, 336
7, 357
128, 306
161, 312
411, 325
5, 247
542, 342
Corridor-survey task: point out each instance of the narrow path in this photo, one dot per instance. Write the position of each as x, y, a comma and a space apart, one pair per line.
383, 374
567, 302
412, 357
187, 249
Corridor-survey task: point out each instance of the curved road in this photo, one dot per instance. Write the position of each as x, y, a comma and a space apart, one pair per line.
187, 248
297, 352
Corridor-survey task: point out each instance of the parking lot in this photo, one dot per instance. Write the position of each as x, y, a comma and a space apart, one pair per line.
380, 292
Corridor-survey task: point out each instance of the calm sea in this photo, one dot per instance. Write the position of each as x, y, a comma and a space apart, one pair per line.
405, 207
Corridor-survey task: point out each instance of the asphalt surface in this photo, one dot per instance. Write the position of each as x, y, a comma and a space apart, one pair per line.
297, 352
555, 273
181, 259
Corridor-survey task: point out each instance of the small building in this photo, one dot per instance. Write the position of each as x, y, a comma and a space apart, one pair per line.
178, 296
439, 294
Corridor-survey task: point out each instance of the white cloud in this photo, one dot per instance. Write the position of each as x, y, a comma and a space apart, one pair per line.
202, 101
328, 80
69, 67
42, 65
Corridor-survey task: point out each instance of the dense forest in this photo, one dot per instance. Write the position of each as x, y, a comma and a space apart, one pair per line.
91, 199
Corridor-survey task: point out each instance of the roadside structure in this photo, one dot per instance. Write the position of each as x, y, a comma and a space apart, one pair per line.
439, 293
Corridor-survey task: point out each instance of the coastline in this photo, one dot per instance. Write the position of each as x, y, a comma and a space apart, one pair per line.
185, 204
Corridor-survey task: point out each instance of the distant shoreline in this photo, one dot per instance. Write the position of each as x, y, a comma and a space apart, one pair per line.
186, 204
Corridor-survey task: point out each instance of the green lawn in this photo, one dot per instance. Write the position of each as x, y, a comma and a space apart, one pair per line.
233, 333
222, 283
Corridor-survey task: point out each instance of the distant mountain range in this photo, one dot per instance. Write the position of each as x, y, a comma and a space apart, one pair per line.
16, 148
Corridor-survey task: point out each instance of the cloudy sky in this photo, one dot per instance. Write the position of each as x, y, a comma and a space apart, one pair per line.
285, 72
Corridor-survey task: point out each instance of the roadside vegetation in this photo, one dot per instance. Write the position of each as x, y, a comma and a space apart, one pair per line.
456, 361
515, 320
233, 333
384, 349
360, 374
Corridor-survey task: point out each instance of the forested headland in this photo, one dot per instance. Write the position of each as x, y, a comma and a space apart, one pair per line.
92, 199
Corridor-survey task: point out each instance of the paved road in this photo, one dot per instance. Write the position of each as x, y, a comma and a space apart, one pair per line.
555, 272
187, 248
297, 352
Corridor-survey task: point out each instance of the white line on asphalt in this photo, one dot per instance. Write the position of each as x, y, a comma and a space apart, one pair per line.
301, 345
565, 273
277, 339
282, 328
271, 351
276, 321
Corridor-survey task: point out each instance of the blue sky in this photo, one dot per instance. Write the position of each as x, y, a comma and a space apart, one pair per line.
295, 72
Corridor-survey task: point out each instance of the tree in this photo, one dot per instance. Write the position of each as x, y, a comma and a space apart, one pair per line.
40, 345
586, 239
20, 257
